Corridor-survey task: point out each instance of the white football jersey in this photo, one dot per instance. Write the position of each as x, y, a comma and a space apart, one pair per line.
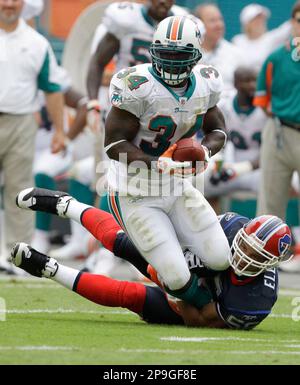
131, 25
244, 129
164, 116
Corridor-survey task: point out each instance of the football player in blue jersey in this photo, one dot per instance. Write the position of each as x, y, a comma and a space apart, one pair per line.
239, 297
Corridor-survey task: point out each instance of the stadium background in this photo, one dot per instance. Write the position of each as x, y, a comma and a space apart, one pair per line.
60, 15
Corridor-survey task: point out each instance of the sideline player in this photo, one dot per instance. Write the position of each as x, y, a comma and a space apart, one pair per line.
244, 124
125, 33
153, 107
240, 297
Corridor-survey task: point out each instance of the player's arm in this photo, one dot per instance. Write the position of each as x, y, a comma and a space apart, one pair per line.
264, 86
214, 130
78, 101
121, 127
204, 317
107, 48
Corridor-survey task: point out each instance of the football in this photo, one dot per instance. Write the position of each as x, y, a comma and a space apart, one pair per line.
189, 150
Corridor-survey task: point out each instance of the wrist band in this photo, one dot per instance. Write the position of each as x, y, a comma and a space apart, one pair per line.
114, 144
223, 132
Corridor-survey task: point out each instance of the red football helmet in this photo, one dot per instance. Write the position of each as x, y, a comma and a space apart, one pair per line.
261, 244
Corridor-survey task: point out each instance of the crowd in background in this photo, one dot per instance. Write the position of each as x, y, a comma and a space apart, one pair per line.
260, 103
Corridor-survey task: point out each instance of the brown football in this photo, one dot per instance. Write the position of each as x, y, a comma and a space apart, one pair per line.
188, 150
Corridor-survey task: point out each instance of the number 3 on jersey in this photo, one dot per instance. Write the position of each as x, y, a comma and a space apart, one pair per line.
166, 127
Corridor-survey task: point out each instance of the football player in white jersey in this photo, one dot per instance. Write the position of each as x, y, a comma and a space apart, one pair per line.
126, 32
244, 123
153, 107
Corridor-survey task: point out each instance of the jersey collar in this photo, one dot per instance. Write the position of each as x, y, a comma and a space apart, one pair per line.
240, 281
240, 111
189, 91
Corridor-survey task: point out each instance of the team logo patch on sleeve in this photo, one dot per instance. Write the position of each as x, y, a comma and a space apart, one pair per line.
284, 243
116, 99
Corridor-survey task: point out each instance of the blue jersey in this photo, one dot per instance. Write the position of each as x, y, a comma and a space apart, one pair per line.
243, 302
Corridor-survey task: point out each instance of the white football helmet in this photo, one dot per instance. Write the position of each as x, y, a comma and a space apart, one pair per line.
175, 49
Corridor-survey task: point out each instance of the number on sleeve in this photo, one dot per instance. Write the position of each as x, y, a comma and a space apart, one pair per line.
206, 72
136, 81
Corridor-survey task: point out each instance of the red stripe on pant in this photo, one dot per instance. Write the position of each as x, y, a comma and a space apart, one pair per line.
102, 226
110, 292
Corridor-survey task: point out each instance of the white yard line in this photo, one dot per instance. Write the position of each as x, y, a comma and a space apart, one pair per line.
216, 339
195, 352
39, 348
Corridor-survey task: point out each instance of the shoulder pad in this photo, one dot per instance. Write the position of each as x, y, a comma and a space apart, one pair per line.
129, 87
211, 75
118, 18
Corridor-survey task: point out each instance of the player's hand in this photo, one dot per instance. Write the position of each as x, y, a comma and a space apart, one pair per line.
166, 165
206, 160
59, 142
93, 115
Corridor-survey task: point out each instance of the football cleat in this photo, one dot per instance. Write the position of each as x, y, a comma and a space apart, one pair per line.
33, 262
39, 199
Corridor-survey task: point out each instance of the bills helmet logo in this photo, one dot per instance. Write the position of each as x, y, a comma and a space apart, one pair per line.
284, 243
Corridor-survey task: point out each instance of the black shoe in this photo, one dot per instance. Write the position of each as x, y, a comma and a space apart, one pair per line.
40, 199
33, 262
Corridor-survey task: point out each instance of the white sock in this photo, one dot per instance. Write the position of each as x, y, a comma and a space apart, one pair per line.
75, 209
66, 276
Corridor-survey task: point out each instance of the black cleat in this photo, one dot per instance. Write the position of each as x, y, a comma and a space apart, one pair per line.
40, 199
33, 262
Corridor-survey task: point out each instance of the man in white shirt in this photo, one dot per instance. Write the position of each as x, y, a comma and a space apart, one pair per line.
257, 42
216, 50
27, 64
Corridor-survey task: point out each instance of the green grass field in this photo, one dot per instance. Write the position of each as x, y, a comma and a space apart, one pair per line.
46, 324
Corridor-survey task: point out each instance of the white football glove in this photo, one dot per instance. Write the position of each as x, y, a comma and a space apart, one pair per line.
166, 165
93, 115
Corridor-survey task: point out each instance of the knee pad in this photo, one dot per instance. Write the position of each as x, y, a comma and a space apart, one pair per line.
199, 214
217, 252
147, 235
174, 278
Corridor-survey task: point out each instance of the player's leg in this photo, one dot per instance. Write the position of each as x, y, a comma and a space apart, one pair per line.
198, 229
99, 223
150, 303
153, 234
174, 273
276, 171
